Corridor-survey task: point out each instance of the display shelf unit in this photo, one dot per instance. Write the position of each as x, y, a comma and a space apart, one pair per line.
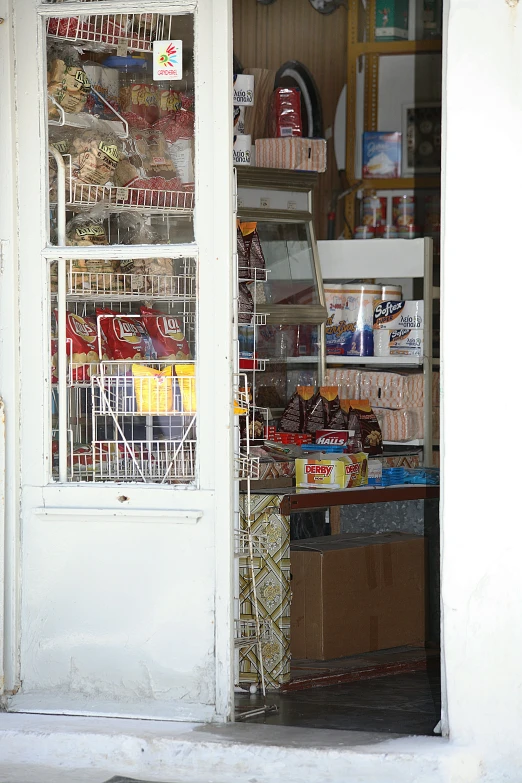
306, 500
388, 259
361, 24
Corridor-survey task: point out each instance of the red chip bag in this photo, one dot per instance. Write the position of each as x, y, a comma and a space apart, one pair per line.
166, 332
127, 337
82, 336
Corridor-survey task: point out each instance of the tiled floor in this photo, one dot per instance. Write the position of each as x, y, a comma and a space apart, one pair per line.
401, 704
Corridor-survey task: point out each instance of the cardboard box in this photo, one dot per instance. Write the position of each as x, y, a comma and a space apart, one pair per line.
381, 155
391, 20
339, 472
291, 153
356, 593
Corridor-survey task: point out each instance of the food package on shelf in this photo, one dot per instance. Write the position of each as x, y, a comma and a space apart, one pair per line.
348, 381
105, 81
291, 153
151, 147
106, 29
153, 389
340, 472
94, 157
127, 338
83, 353
393, 390
149, 275
67, 82
363, 421
322, 408
179, 124
86, 229
285, 113
296, 412
166, 333
406, 424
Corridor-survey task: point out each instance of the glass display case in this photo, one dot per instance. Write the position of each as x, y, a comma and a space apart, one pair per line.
281, 300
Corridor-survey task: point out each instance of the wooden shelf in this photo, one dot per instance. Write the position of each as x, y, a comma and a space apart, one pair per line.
384, 48
306, 500
403, 183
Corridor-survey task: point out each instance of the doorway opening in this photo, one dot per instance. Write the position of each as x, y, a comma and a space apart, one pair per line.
337, 579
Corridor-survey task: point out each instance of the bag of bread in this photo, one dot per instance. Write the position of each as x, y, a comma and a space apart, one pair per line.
86, 229
166, 333
127, 337
295, 414
94, 157
323, 407
151, 147
364, 422
67, 82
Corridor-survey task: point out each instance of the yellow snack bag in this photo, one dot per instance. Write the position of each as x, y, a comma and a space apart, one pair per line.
153, 389
186, 375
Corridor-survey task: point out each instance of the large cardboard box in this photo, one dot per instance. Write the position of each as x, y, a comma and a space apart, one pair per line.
356, 593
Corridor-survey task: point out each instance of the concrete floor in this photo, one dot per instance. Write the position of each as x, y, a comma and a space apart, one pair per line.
399, 704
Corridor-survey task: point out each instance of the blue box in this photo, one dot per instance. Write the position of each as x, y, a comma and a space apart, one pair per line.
381, 158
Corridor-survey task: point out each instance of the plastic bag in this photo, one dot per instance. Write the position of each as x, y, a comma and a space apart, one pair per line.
67, 82
166, 333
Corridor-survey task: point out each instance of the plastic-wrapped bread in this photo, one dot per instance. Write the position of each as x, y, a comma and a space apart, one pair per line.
67, 82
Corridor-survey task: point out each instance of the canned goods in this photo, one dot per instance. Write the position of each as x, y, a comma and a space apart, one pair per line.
409, 232
374, 210
389, 232
404, 210
364, 232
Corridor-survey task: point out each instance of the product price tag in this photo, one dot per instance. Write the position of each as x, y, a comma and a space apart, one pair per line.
264, 202
291, 205
122, 48
122, 194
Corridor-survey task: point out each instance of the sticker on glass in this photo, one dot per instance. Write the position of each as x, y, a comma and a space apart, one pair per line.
168, 60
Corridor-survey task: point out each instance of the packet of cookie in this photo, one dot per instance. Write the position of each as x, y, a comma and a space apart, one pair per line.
364, 422
323, 407
295, 413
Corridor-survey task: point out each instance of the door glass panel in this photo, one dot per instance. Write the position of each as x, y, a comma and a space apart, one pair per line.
287, 249
121, 124
121, 173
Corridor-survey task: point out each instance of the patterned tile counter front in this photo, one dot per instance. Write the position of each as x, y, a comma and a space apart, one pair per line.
272, 570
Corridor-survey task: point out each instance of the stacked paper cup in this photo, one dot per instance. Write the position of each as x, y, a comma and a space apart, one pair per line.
243, 96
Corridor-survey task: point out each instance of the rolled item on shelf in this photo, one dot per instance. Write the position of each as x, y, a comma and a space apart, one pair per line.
406, 424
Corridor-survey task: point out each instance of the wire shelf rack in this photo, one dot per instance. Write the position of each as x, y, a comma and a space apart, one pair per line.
160, 462
249, 275
247, 635
242, 546
115, 199
137, 31
102, 286
246, 466
133, 395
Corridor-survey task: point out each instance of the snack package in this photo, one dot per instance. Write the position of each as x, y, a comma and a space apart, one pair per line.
67, 82
82, 337
340, 472
245, 304
249, 250
54, 360
166, 333
94, 157
150, 275
186, 377
169, 101
126, 337
364, 422
323, 408
86, 229
340, 418
153, 389
295, 414
151, 147
284, 118
105, 81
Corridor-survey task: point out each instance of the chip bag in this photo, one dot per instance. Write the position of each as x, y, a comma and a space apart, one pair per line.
82, 335
186, 377
127, 337
153, 389
166, 334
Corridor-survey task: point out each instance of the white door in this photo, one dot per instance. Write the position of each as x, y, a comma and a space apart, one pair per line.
126, 452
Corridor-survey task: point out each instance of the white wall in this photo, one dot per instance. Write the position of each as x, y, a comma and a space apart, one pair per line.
481, 571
